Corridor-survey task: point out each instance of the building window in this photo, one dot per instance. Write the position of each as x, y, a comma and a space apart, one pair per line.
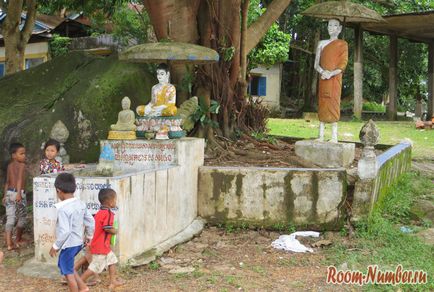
2, 69
33, 62
258, 86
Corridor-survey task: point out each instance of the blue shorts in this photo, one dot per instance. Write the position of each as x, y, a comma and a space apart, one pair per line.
66, 259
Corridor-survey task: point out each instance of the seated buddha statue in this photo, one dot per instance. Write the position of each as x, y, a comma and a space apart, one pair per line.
163, 96
126, 117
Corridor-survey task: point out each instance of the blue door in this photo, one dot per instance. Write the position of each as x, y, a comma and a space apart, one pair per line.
262, 86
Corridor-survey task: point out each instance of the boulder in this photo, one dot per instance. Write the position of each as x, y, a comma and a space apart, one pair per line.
80, 90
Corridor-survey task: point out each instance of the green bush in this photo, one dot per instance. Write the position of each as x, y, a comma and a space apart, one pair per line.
59, 45
372, 106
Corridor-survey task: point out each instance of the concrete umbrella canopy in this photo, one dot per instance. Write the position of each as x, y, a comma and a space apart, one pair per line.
171, 52
345, 11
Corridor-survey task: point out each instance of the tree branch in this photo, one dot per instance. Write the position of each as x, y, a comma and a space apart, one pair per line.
30, 21
258, 29
13, 18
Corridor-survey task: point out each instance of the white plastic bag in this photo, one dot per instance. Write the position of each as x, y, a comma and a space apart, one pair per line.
290, 243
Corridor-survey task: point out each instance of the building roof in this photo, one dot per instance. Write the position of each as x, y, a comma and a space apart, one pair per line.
47, 24
39, 28
417, 26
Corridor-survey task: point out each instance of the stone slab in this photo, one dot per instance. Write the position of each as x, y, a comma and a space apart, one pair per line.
38, 269
326, 154
188, 233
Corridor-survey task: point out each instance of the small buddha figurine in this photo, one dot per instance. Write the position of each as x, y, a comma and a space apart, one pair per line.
126, 117
163, 96
125, 128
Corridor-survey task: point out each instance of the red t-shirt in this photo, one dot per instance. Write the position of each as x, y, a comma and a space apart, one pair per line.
101, 240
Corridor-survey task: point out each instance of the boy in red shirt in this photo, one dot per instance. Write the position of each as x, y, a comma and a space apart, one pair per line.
102, 255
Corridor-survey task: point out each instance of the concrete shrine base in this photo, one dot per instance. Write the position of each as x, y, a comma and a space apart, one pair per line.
157, 203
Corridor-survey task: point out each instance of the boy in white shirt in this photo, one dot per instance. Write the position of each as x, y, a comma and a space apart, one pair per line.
72, 217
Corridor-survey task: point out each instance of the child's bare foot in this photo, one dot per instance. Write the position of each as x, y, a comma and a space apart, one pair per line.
1, 257
21, 242
116, 283
11, 247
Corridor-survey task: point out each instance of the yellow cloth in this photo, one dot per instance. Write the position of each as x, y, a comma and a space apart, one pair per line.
333, 56
164, 96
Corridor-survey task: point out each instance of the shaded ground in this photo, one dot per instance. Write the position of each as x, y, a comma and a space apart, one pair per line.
270, 152
218, 260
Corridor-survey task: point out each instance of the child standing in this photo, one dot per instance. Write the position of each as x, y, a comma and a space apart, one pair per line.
102, 255
72, 215
49, 164
14, 197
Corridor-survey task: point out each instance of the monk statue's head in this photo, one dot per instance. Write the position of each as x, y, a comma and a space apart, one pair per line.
334, 28
126, 103
163, 74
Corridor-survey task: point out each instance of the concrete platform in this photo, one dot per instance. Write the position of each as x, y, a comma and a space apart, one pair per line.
326, 154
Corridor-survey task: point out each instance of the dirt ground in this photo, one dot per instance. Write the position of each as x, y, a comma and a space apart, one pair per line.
216, 260
267, 153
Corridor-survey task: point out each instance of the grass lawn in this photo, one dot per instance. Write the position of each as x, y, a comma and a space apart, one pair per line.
379, 240
390, 133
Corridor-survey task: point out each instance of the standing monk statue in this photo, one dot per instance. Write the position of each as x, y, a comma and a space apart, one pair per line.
330, 61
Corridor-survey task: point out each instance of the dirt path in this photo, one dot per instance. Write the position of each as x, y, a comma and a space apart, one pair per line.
425, 166
217, 261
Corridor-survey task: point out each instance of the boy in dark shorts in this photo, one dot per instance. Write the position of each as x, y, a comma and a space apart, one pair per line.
102, 255
72, 215
14, 197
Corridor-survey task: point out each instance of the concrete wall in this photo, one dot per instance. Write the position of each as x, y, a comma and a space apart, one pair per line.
154, 205
274, 78
391, 164
267, 196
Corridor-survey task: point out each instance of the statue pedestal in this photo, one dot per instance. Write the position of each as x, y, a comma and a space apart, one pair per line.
326, 154
157, 124
122, 135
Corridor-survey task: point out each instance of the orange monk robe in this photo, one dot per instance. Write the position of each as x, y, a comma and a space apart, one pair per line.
333, 56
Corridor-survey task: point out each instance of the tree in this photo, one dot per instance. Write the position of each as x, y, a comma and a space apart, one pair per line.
222, 26
273, 47
16, 39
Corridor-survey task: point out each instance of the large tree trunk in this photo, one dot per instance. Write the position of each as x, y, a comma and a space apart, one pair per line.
219, 25
16, 40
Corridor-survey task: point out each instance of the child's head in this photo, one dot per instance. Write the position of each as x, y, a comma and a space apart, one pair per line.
51, 149
17, 152
107, 198
64, 184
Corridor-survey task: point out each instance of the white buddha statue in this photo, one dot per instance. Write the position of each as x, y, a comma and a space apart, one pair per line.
163, 96
126, 117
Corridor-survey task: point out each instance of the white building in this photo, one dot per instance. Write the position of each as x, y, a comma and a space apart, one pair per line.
265, 83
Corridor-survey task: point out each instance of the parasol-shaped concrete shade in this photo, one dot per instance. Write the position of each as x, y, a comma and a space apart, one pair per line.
172, 52
345, 11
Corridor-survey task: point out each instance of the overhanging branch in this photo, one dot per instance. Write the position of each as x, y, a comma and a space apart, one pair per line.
258, 29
